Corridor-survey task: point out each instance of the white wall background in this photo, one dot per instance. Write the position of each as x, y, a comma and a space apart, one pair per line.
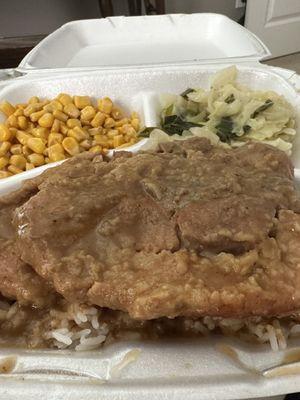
38, 17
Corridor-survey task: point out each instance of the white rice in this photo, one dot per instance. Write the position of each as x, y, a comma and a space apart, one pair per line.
80, 328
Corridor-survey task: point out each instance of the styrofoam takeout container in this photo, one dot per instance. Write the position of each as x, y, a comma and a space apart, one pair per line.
164, 369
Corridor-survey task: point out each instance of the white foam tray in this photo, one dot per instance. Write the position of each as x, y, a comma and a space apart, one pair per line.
144, 40
168, 369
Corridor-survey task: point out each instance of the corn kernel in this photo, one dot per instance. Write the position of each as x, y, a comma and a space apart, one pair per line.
127, 129
35, 116
29, 166
23, 137
33, 100
95, 131
5, 133
5, 174
112, 132
134, 115
54, 105
82, 101
78, 133
61, 116
121, 122
30, 126
21, 105
18, 112
72, 122
100, 139
3, 162
26, 151
4, 147
71, 110
71, 146
12, 121
88, 113
118, 140
16, 149
36, 159
31, 108
105, 105
42, 133
18, 161
135, 123
64, 98
98, 120
116, 113
86, 144
109, 123
63, 128
54, 138
46, 120
22, 122
85, 122
7, 108
95, 149
36, 145
56, 126
56, 152
13, 169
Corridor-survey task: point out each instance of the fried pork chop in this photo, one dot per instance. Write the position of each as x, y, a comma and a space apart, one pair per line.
189, 230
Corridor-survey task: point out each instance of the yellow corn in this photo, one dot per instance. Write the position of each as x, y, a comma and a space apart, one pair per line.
105, 105
54, 105
78, 133
135, 123
4, 147
16, 149
7, 108
26, 150
100, 139
98, 120
87, 113
116, 113
18, 161
82, 101
127, 129
95, 131
121, 122
23, 137
35, 116
64, 98
71, 110
18, 112
46, 120
3, 162
95, 149
56, 152
109, 123
30, 126
14, 170
63, 128
31, 108
33, 100
12, 121
29, 166
36, 159
86, 144
61, 116
5, 133
42, 133
72, 122
118, 140
55, 126
71, 146
54, 138
112, 133
36, 145
5, 174
21, 105
22, 122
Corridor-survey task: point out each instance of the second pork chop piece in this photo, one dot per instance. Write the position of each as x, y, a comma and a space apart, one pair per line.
138, 233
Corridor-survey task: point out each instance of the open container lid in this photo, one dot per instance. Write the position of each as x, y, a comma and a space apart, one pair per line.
158, 40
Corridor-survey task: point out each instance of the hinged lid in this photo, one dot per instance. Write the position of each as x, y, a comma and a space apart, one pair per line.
119, 42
